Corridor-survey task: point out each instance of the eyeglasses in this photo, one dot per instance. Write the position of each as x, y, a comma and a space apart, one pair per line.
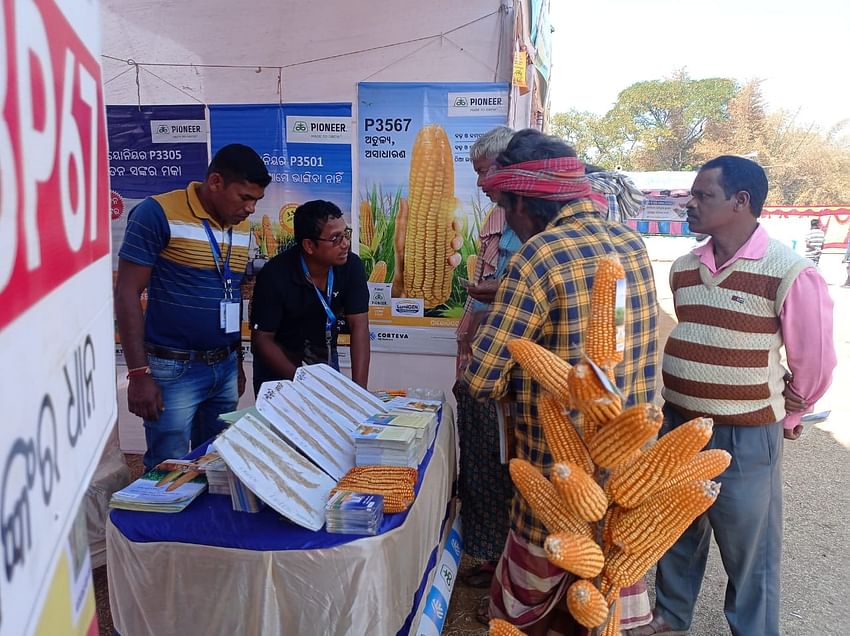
336, 239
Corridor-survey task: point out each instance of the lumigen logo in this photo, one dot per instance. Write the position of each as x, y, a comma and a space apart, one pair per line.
461, 102
299, 126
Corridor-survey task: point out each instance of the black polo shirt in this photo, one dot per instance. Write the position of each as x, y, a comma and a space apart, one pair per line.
286, 303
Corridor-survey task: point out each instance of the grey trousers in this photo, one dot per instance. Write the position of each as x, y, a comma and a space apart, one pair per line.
747, 524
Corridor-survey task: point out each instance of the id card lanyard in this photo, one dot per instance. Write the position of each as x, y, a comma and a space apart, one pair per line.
229, 307
331, 317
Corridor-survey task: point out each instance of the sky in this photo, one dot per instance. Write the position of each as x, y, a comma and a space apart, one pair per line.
801, 50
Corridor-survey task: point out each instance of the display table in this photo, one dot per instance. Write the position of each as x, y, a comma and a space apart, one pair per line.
210, 570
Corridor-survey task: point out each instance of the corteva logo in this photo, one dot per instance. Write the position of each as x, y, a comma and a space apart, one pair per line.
299, 126
388, 335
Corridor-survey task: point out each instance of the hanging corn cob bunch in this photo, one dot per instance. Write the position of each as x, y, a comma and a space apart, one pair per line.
611, 507
428, 259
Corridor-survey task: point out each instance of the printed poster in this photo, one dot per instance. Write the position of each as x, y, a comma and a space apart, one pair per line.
56, 324
416, 255
152, 149
307, 151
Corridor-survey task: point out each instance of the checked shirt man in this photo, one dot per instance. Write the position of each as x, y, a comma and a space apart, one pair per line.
545, 297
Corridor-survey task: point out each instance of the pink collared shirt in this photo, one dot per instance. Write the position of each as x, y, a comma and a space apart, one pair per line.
805, 320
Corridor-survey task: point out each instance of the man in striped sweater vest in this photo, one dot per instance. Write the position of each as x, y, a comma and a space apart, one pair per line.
739, 299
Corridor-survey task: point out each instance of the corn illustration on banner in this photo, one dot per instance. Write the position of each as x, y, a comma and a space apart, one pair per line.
418, 208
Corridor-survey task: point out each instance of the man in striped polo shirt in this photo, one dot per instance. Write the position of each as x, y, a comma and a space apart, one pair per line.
189, 249
739, 299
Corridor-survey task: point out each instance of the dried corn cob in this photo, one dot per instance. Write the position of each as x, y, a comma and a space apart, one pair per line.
498, 627
608, 523
402, 473
367, 227
666, 513
581, 495
379, 272
705, 465
597, 405
587, 604
600, 342
622, 438
427, 272
561, 434
471, 272
657, 465
612, 627
544, 500
545, 367
401, 218
574, 553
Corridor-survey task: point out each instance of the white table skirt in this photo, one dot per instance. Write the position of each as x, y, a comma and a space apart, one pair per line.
358, 588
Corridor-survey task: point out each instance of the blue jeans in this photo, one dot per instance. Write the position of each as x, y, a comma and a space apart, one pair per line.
194, 395
746, 521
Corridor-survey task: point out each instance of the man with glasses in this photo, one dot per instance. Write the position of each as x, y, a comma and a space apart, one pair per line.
303, 297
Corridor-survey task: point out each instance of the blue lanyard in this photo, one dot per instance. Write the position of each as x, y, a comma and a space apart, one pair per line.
226, 275
322, 299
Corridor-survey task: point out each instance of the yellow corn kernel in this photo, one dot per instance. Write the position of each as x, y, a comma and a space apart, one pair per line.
574, 553
498, 627
595, 403
379, 272
561, 434
622, 438
624, 568
399, 234
580, 493
586, 604
367, 226
471, 272
657, 465
545, 367
600, 341
608, 523
705, 465
612, 627
427, 272
544, 500
664, 516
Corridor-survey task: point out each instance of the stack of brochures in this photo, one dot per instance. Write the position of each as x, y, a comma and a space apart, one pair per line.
216, 472
383, 445
424, 424
354, 513
146, 495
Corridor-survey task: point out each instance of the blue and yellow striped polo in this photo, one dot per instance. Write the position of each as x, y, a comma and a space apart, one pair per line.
166, 233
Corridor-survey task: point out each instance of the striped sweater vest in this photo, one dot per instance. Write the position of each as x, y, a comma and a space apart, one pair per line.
723, 359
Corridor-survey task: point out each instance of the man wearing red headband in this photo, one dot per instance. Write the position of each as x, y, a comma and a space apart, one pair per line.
545, 297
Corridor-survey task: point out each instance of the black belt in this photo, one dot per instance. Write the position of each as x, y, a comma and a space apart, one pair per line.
210, 356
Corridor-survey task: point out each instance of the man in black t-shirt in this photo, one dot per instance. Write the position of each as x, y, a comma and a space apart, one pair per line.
303, 296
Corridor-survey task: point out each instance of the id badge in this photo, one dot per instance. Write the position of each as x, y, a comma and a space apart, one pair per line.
229, 314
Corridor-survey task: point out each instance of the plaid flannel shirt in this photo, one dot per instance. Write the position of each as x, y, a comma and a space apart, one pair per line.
545, 297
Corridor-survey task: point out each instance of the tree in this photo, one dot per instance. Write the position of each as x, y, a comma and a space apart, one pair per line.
654, 125
664, 120
804, 165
